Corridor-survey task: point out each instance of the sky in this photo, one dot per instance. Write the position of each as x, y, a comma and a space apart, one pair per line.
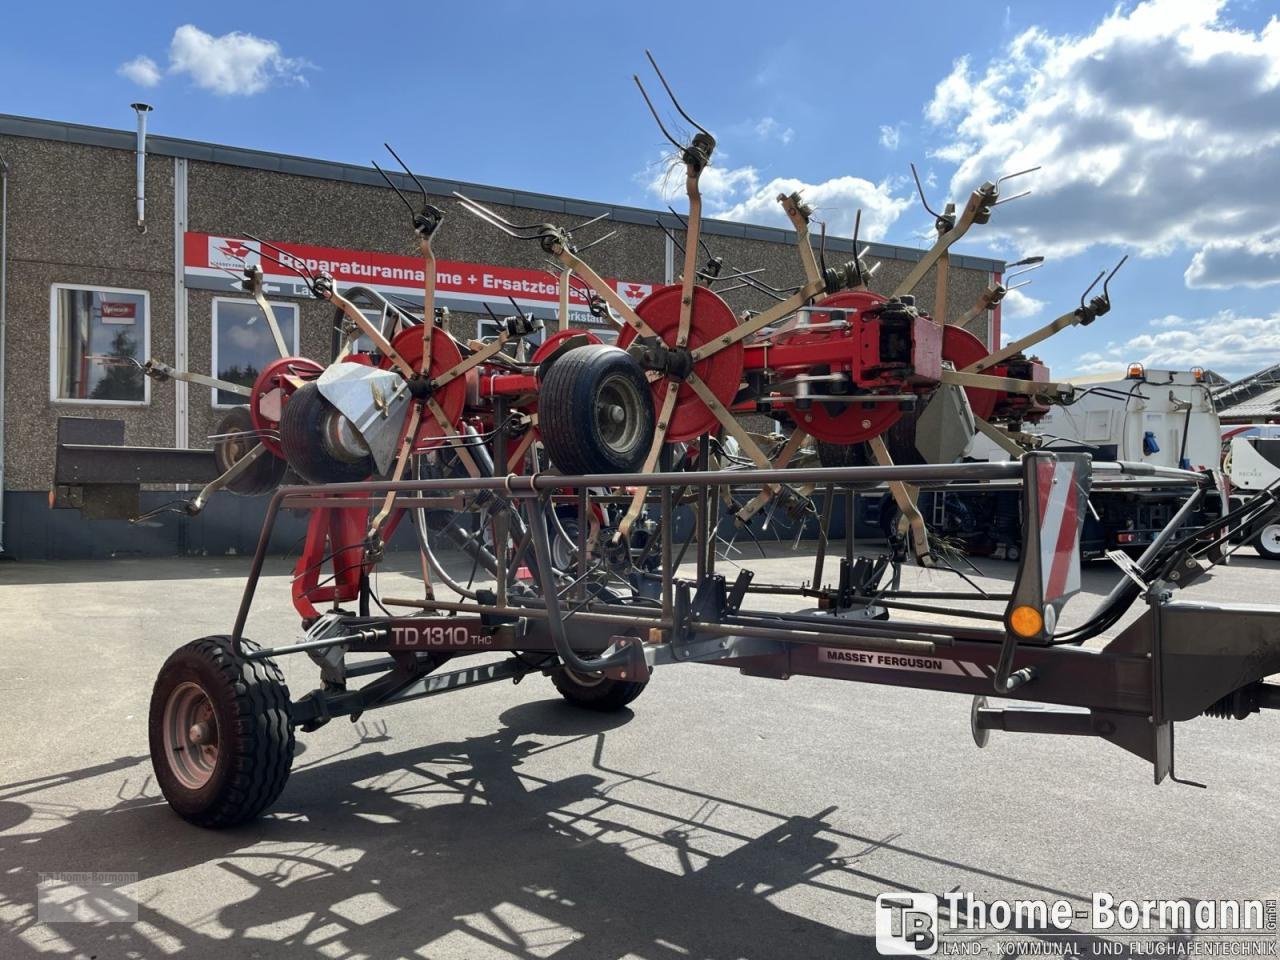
1156, 125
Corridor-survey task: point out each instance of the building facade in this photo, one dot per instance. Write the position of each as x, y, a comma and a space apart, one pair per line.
87, 293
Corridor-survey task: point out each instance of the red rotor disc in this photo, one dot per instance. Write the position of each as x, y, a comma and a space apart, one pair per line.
721, 372
452, 397
962, 348
266, 406
840, 422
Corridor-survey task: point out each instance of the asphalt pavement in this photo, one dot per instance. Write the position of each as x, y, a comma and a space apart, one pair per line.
724, 817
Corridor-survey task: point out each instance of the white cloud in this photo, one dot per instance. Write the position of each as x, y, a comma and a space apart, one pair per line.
234, 64
1254, 262
770, 129
890, 136
737, 193
1230, 344
1017, 305
1157, 131
142, 70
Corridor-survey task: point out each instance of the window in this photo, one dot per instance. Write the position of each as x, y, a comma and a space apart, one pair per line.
243, 344
100, 337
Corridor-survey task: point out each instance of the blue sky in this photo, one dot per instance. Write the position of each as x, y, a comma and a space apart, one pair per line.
1158, 124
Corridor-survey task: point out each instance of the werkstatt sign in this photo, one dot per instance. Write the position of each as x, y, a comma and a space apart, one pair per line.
459, 285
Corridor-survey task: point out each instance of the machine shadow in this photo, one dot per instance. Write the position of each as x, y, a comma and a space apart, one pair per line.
455, 849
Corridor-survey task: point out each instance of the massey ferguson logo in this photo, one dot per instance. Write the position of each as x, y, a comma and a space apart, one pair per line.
231, 254
633, 293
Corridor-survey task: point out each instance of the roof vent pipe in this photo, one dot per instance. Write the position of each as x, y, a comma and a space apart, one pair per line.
142, 109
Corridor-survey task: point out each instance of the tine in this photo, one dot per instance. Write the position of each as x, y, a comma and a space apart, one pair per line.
1020, 173
1016, 196
588, 246
407, 170
587, 223
657, 119
920, 190
403, 198
667, 86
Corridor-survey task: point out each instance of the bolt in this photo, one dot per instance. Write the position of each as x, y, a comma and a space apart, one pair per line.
866, 424
199, 733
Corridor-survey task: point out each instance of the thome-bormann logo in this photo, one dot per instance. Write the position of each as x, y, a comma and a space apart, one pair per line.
960, 924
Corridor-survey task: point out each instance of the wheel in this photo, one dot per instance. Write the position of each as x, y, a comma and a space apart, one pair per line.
595, 411
592, 691
1268, 542
220, 732
564, 553
319, 442
236, 437
843, 454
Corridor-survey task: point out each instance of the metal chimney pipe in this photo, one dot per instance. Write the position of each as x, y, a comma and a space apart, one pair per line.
142, 109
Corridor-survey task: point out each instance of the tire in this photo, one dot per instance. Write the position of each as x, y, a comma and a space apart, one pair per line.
264, 474
1268, 542
564, 553
843, 454
595, 411
308, 428
598, 693
243, 707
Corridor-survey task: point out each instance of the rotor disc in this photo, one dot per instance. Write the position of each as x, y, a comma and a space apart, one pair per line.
711, 317
962, 348
451, 397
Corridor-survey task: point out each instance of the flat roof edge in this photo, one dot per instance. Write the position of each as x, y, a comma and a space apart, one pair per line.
36, 129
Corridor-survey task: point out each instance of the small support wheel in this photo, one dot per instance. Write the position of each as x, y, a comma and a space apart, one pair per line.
220, 732
595, 411
1268, 542
319, 442
593, 691
237, 436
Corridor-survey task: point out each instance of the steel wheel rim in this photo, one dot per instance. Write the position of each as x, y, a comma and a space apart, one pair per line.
618, 409
565, 552
190, 735
1270, 538
583, 679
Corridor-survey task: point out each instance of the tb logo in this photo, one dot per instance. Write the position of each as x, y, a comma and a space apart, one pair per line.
906, 924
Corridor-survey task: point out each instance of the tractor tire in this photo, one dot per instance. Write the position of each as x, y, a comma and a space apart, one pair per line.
595, 411
1268, 542
220, 732
843, 454
595, 692
264, 474
309, 430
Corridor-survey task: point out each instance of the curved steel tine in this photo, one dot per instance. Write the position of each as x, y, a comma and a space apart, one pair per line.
871, 270
519, 310
1016, 196
1105, 283
587, 223
667, 86
1089, 289
403, 198
1018, 273
1010, 176
588, 246
291, 260
1010, 287
670, 235
406, 170
493, 219
685, 223
822, 245
920, 190
657, 119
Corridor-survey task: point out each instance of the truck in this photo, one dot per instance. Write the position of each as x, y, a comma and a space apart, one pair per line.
1165, 418
1252, 464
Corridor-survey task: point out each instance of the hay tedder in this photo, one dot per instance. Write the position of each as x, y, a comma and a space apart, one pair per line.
574, 476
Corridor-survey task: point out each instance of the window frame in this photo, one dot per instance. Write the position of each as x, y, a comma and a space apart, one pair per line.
213, 340
55, 342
